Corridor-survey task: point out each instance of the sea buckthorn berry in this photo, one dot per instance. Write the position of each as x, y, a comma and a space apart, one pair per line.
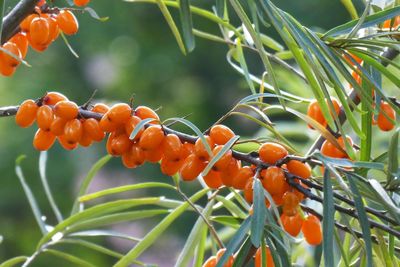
170, 167
384, 123
172, 147
26, 114
81, 2
187, 149
52, 98
65, 144
213, 179
39, 31
9, 60
230, 172
54, 30
224, 161
100, 108
191, 168
243, 175
299, 168
290, 203
57, 126
26, 23
221, 134
85, 140
229, 261
6, 69
118, 144
66, 109
67, 22
107, 125
312, 230
144, 112
200, 150
73, 131
43, 140
387, 24
22, 43
211, 262
314, 111
330, 150
292, 224
154, 155
130, 125
248, 191
273, 180
133, 157
119, 113
272, 152
300, 195
151, 138
269, 261
92, 128
44, 117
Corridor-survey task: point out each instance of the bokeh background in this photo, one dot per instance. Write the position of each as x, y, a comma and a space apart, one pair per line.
131, 54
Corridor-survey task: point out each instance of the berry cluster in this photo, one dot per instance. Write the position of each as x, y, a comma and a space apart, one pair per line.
38, 31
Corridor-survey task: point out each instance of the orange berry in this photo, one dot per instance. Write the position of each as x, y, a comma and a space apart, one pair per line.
230, 172
44, 117
151, 138
221, 134
248, 191
107, 125
272, 152
57, 126
39, 31
229, 262
314, 111
211, 262
85, 140
269, 262
312, 230
65, 144
26, 23
144, 112
43, 140
6, 69
67, 22
224, 161
130, 125
22, 43
328, 149
81, 3
26, 114
92, 128
200, 150
387, 24
73, 131
172, 146
213, 179
290, 203
384, 123
292, 224
243, 175
154, 155
187, 149
119, 113
118, 144
191, 168
133, 157
67, 110
54, 30
6, 58
273, 180
53, 98
299, 168
349, 57
170, 167
100, 108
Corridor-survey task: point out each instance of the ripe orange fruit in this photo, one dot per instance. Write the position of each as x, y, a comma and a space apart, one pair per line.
39, 32
384, 123
130, 125
26, 114
154, 155
290, 203
273, 180
92, 128
224, 161
85, 140
221, 134
312, 230
6, 69
22, 43
54, 30
26, 23
81, 2
211, 262
100, 108
314, 111
269, 260
299, 168
57, 126
213, 179
191, 168
67, 22
44, 117
170, 167
243, 175
135, 156
229, 262
230, 171
387, 24
73, 131
172, 146
151, 138
200, 149
107, 125
43, 140
6, 58
144, 112
52, 98
118, 144
292, 224
272, 152
64, 143
328, 149
67, 110
248, 191
119, 113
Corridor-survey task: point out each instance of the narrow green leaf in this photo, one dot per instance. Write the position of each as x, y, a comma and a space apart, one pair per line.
242, 61
104, 233
258, 217
271, 43
328, 223
363, 219
242, 254
201, 248
69, 258
348, 4
220, 8
14, 56
14, 261
68, 45
385, 199
168, 17
28, 192
88, 179
231, 206
227, 221
139, 127
152, 236
187, 24
92, 246
94, 15
393, 154
349, 163
49, 195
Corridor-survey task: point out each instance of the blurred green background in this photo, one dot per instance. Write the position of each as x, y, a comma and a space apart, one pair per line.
133, 53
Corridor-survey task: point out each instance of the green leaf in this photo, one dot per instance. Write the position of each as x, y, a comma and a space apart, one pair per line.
167, 15
328, 223
363, 219
68, 257
242, 254
104, 233
242, 61
139, 127
348, 4
122, 189
230, 206
385, 199
14, 261
68, 45
220, 8
271, 43
152, 236
258, 217
28, 192
393, 154
187, 24
88, 179
201, 249
49, 195
94, 15
227, 221
20, 60
350, 163
92, 246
